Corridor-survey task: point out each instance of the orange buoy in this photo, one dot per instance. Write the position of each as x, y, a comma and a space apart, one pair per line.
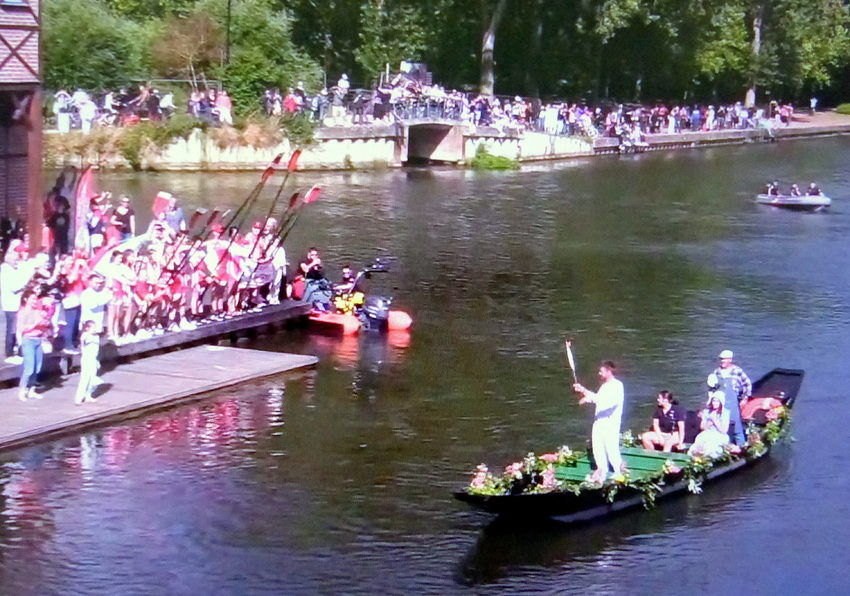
399, 320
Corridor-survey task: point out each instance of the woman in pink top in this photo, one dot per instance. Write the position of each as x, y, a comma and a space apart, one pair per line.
34, 325
225, 108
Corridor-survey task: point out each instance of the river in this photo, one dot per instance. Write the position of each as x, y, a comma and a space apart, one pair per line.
339, 481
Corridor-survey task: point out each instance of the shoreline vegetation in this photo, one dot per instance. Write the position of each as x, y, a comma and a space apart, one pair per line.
137, 144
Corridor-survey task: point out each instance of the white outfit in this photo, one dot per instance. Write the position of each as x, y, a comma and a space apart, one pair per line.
710, 442
94, 307
605, 437
13, 280
89, 348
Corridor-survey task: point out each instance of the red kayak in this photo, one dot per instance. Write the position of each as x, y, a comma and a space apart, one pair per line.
350, 324
345, 324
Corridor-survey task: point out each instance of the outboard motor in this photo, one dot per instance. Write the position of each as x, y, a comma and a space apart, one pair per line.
375, 313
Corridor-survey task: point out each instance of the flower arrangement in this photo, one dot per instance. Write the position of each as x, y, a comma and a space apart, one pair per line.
537, 474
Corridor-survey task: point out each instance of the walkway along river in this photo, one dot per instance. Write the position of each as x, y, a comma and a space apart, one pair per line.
339, 480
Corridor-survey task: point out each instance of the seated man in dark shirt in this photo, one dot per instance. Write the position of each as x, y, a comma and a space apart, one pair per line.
668, 425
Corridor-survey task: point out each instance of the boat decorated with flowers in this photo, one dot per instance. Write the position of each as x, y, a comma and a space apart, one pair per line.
557, 485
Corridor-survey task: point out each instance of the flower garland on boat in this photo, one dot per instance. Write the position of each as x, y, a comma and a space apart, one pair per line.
536, 474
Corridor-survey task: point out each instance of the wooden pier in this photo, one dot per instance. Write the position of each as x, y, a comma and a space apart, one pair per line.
137, 388
268, 318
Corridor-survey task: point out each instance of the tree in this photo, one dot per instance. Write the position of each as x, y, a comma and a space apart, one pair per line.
146, 9
264, 55
488, 47
189, 46
98, 55
389, 35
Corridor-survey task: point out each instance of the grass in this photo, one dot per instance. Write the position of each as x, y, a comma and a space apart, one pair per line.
484, 160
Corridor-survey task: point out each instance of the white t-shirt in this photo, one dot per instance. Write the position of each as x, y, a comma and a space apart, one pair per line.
609, 401
94, 307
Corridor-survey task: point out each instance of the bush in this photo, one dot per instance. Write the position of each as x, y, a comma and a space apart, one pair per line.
843, 109
484, 160
299, 129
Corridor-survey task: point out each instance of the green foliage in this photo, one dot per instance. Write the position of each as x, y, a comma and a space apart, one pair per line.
85, 46
145, 9
843, 108
263, 56
389, 35
484, 160
696, 50
132, 144
299, 129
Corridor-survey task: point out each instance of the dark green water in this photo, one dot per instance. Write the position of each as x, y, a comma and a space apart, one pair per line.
342, 484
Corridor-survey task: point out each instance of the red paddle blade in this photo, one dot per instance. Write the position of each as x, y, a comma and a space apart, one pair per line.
196, 217
312, 195
293, 200
212, 218
270, 170
160, 203
293, 161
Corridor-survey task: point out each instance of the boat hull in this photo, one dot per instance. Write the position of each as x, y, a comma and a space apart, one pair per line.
803, 203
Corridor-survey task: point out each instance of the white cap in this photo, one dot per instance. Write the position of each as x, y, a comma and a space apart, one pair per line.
726, 354
719, 395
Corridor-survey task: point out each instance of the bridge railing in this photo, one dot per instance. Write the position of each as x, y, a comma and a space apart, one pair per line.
426, 108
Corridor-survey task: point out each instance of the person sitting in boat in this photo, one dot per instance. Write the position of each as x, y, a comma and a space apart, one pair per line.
668, 425
813, 190
773, 189
715, 428
348, 295
795, 190
349, 283
317, 289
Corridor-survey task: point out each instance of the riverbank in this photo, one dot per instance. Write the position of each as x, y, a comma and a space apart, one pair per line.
392, 146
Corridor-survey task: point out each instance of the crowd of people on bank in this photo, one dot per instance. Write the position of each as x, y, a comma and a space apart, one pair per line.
82, 110
411, 94
124, 286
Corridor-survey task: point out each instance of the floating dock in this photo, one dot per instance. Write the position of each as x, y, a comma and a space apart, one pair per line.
268, 318
137, 388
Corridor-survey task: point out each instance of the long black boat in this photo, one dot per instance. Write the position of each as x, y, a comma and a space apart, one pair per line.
555, 485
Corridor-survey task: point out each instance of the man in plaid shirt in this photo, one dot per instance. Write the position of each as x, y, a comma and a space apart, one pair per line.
736, 384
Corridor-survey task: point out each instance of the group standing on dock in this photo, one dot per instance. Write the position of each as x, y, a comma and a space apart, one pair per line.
125, 287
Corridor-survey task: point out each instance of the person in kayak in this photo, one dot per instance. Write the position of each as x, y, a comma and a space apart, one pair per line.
348, 295
605, 436
668, 425
317, 288
813, 190
795, 190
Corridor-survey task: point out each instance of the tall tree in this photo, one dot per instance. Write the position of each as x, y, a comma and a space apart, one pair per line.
189, 46
488, 44
388, 35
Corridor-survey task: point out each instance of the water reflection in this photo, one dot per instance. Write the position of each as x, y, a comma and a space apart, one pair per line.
507, 546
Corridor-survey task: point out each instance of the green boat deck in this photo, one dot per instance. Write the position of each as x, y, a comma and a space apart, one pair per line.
640, 462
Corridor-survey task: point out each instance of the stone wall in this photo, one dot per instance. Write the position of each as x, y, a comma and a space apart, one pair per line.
367, 147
